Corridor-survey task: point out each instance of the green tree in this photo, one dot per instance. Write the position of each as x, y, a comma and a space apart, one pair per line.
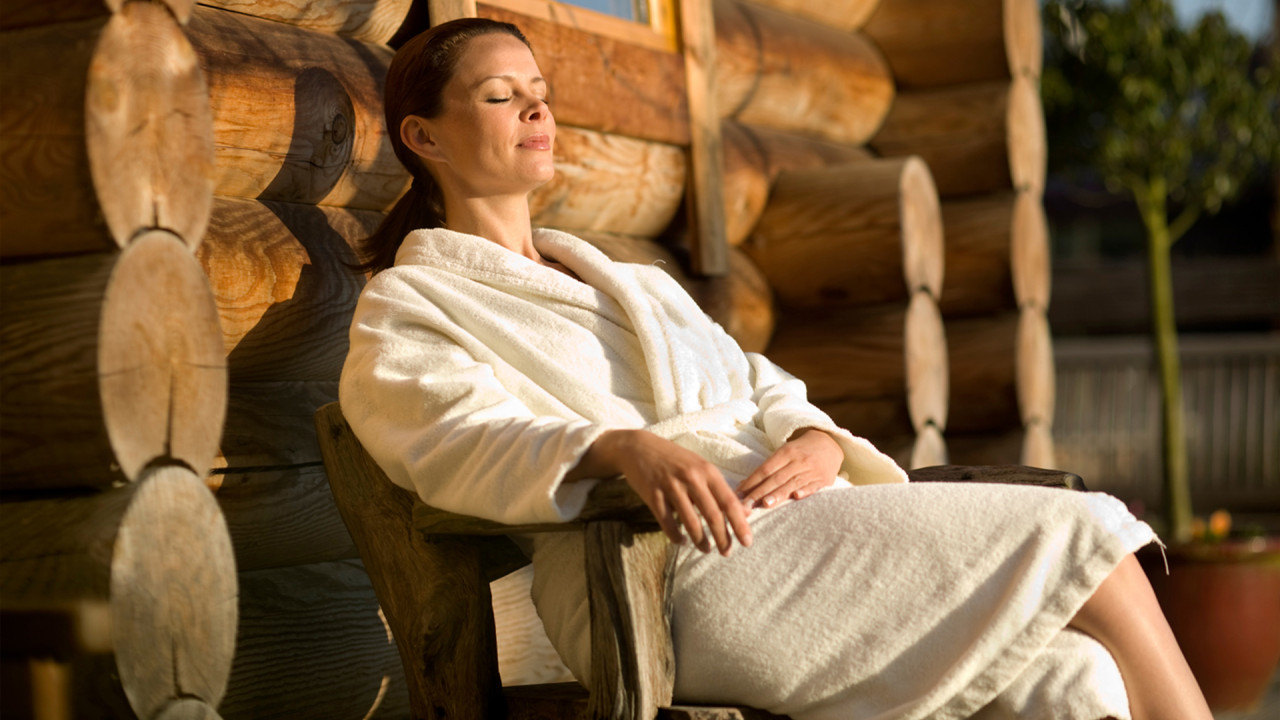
1179, 118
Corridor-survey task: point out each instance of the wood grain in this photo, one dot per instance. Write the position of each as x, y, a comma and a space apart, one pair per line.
314, 644
284, 287
149, 127
112, 361
603, 84
158, 554
997, 254
371, 21
847, 15
931, 43
977, 138
297, 113
791, 73
855, 234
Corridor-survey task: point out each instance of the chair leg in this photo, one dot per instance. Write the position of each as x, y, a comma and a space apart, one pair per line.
632, 660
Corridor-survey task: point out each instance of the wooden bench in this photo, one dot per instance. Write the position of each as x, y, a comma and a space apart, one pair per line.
431, 571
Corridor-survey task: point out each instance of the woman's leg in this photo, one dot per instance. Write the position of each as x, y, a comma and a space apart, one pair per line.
1124, 616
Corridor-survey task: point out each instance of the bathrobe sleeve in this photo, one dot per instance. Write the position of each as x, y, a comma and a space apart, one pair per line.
439, 422
783, 408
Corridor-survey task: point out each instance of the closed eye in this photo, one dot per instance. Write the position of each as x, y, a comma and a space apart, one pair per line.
497, 100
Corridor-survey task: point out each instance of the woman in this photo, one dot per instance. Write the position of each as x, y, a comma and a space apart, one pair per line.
498, 370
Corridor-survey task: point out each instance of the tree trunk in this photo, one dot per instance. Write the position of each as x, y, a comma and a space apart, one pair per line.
157, 554
930, 43
854, 234
111, 362
795, 74
976, 138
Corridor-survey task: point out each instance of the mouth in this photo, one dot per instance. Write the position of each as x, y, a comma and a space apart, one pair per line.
540, 141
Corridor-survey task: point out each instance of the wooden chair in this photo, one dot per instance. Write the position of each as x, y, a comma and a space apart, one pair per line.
431, 571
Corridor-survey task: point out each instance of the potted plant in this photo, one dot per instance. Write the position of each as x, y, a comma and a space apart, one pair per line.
1180, 119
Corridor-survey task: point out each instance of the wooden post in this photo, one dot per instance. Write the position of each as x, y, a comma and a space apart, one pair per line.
157, 553
851, 235
705, 197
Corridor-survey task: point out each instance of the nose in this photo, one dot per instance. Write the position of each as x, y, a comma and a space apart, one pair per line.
536, 110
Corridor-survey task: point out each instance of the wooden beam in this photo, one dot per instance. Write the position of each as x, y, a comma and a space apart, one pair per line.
710, 255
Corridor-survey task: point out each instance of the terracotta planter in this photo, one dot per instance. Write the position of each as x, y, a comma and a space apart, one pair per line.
1223, 603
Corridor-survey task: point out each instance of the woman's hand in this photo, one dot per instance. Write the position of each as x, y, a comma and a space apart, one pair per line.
808, 462
678, 485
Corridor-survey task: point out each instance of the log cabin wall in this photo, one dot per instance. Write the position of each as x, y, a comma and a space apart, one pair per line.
114, 385
870, 146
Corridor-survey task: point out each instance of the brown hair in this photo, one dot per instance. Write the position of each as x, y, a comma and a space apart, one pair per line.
415, 86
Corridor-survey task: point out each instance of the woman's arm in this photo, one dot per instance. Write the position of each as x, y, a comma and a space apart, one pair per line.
679, 486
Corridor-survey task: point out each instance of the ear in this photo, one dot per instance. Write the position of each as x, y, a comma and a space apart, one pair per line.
416, 134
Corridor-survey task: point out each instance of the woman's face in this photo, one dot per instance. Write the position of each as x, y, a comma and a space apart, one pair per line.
495, 133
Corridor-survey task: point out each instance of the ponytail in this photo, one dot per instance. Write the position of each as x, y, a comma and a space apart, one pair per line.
421, 207
415, 86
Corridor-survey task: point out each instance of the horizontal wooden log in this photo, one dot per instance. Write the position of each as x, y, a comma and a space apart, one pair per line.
281, 517
34, 14
604, 84
754, 157
610, 183
977, 138
313, 644
269, 424
855, 234
1210, 293
282, 279
105, 132
895, 352
149, 126
111, 361
997, 254
1001, 371
742, 301
847, 15
297, 113
792, 73
157, 553
1031, 445
371, 21
930, 43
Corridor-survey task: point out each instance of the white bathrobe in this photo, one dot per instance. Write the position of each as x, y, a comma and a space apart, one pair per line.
477, 378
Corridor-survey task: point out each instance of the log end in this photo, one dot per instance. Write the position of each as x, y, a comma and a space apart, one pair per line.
161, 364
1028, 147
1024, 38
921, 217
173, 594
927, 366
1035, 374
1029, 253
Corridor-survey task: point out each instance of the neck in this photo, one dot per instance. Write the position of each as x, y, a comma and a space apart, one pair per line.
502, 220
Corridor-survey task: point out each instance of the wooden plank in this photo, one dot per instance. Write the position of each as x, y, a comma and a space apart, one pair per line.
709, 244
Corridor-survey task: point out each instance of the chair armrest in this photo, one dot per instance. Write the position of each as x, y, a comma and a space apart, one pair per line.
608, 500
1011, 474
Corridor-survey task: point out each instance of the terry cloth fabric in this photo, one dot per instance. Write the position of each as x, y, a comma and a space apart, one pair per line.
477, 378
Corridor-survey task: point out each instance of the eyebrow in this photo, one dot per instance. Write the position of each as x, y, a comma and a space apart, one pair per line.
509, 78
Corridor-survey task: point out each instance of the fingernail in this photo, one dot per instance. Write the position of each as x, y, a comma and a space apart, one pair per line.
746, 540
768, 501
